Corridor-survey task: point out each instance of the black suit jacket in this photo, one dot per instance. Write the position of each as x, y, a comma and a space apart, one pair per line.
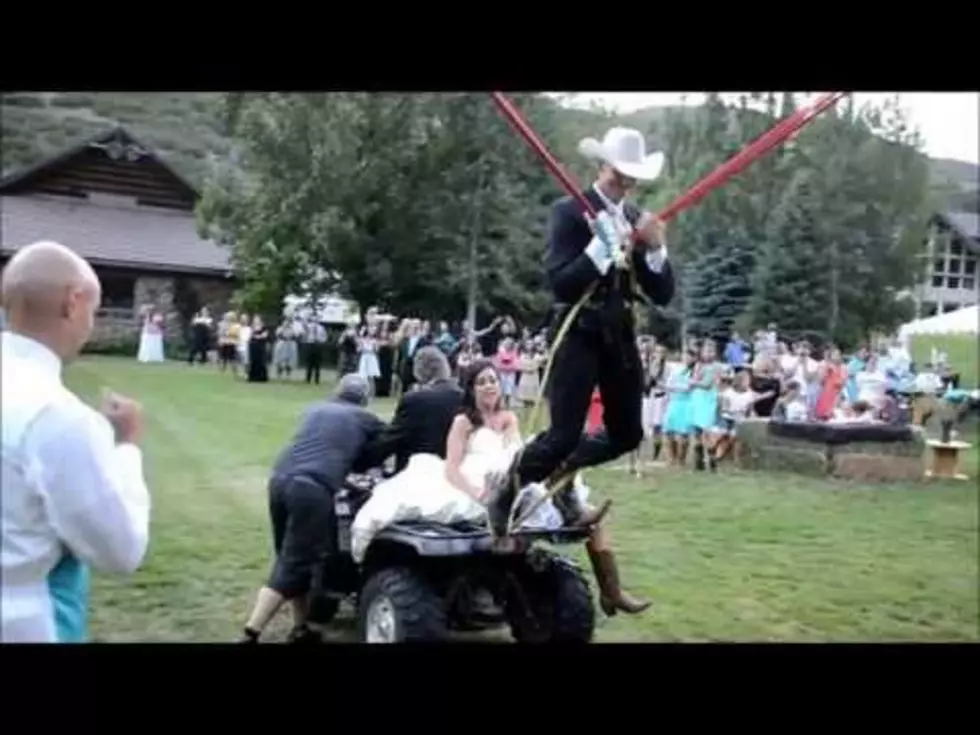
421, 424
407, 357
569, 269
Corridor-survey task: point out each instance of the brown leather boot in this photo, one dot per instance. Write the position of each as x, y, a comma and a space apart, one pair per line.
574, 512
612, 598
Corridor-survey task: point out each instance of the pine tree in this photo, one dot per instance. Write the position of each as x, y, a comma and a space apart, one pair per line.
721, 286
793, 283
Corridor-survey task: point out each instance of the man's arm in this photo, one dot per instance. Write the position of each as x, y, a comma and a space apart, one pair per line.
92, 489
570, 268
653, 272
388, 439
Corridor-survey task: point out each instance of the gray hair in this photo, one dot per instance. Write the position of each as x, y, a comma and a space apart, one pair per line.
430, 364
353, 389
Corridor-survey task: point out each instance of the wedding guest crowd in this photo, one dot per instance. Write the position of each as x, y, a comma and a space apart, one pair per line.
693, 400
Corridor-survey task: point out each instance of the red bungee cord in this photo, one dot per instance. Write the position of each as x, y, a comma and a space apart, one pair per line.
762, 145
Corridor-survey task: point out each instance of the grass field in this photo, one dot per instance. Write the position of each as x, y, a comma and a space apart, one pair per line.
730, 557
961, 350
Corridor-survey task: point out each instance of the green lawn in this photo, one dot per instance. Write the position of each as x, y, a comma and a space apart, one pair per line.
733, 557
961, 350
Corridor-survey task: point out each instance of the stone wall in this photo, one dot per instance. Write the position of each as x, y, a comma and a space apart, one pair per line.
824, 453
116, 328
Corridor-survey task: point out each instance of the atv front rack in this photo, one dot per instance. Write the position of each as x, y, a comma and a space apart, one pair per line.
435, 539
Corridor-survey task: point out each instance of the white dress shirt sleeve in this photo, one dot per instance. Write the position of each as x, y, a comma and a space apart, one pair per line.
93, 490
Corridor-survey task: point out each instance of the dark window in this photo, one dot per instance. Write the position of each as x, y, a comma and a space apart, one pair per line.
118, 291
969, 284
970, 267
952, 282
954, 265
956, 248
937, 281
939, 265
950, 306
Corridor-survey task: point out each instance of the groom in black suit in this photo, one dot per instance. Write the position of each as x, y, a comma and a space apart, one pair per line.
600, 346
423, 417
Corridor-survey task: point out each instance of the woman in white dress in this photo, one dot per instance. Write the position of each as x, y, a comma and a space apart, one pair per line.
483, 439
151, 338
367, 365
529, 366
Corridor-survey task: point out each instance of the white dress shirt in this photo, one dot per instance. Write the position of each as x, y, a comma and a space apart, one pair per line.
72, 498
654, 258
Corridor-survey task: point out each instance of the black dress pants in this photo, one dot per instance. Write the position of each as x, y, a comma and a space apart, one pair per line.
314, 359
599, 349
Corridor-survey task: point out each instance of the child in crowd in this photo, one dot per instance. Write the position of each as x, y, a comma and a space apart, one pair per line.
792, 405
736, 405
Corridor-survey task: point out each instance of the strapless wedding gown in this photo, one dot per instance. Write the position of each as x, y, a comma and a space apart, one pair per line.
422, 492
151, 345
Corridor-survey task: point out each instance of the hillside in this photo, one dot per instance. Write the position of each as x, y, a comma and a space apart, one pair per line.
184, 127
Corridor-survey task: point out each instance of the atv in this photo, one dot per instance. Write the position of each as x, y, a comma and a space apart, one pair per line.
422, 581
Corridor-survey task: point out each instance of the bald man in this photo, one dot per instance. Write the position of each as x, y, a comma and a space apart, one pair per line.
73, 490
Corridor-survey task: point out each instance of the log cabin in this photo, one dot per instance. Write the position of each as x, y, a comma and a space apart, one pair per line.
118, 204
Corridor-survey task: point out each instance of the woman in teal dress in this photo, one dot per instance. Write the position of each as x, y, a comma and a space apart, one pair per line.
677, 420
704, 401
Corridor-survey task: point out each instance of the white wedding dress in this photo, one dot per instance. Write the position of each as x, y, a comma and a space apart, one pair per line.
151, 343
422, 492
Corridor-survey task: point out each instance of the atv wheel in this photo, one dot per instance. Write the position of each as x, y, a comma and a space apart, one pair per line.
556, 607
396, 606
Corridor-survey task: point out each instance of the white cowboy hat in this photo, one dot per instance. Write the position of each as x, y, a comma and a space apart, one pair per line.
624, 150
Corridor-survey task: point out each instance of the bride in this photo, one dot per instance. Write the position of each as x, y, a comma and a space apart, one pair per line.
151, 337
483, 438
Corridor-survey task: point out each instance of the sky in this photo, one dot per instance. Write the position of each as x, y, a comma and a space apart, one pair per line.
946, 120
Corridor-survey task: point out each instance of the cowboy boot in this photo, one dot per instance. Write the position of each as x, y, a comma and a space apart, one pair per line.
567, 502
612, 598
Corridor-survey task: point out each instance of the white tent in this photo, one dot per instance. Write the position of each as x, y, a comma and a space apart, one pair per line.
961, 321
330, 309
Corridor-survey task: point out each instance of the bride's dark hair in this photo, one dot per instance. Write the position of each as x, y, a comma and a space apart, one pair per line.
467, 381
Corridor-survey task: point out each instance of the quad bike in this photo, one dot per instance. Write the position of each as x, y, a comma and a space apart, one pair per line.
421, 581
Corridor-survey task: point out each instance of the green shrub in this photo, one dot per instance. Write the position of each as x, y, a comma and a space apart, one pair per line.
173, 349
116, 347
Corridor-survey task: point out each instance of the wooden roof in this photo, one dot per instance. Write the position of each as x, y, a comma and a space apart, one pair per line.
113, 162
115, 202
964, 224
